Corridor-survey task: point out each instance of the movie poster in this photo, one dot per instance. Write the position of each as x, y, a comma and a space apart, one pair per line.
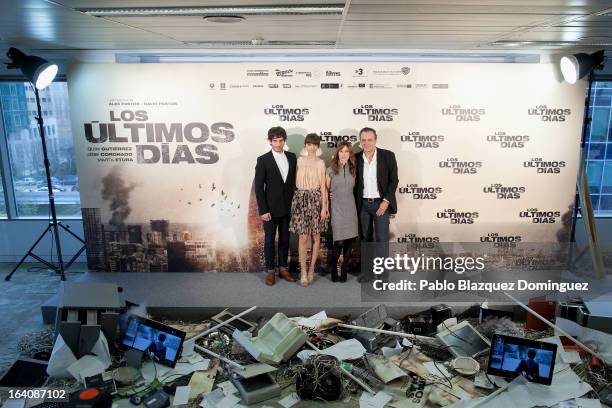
166, 152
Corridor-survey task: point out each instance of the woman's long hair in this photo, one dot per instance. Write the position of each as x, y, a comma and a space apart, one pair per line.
352, 161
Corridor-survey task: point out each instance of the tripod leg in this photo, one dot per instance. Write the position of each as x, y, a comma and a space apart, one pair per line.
60, 260
71, 261
68, 230
8, 277
80, 251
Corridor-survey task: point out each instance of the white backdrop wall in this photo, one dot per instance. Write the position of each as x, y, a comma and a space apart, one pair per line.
166, 153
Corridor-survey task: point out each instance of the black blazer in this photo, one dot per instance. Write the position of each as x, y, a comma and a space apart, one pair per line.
273, 195
386, 173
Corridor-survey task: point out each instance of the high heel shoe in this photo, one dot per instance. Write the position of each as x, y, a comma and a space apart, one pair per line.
304, 277
310, 275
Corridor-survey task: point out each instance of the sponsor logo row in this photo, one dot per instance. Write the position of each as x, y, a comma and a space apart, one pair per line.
223, 86
357, 72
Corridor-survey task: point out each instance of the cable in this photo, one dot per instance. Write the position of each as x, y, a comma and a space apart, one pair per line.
491, 381
319, 379
443, 375
455, 334
407, 356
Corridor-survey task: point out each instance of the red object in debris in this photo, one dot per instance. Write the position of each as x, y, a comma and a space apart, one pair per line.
545, 308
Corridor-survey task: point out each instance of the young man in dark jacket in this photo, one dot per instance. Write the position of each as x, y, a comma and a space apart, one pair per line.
274, 186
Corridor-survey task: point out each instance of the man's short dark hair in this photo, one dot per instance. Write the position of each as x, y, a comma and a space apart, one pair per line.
161, 337
276, 132
312, 138
531, 353
368, 129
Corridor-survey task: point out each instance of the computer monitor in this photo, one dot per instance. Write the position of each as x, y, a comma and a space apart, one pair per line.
463, 340
162, 343
238, 323
25, 372
513, 356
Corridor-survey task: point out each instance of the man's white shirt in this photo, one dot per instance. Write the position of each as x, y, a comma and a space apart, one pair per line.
282, 163
370, 180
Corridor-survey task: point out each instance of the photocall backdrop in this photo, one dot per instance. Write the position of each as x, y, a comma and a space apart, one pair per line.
166, 152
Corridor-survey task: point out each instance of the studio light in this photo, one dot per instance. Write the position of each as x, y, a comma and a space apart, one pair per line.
577, 66
37, 70
41, 73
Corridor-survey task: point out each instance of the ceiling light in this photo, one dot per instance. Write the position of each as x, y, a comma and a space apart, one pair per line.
589, 43
257, 41
260, 42
512, 43
224, 19
214, 11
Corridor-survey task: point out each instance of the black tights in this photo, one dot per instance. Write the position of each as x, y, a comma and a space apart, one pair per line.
343, 246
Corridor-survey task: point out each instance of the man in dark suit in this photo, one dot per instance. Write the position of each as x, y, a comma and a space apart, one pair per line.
375, 187
274, 186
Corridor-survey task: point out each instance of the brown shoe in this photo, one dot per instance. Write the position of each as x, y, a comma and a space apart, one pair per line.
270, 277
284, 274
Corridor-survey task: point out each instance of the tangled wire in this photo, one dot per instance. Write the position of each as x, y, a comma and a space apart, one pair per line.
319, 379
37, 342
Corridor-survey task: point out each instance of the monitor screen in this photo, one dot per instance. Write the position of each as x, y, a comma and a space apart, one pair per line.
25, 373
463, 340
162, 343
514, 356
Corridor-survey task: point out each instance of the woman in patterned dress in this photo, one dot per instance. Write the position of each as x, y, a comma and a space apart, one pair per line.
309, 206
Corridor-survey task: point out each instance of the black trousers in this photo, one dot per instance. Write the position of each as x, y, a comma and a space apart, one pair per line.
280, 224
374, 243
343, 247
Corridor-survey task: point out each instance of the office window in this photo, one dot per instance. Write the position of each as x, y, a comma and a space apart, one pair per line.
599, 148
3, 213
18, 104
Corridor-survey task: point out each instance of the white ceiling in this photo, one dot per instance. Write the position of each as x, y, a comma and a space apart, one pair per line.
458, 25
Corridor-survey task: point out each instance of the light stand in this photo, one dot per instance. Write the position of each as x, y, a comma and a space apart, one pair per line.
41, 73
